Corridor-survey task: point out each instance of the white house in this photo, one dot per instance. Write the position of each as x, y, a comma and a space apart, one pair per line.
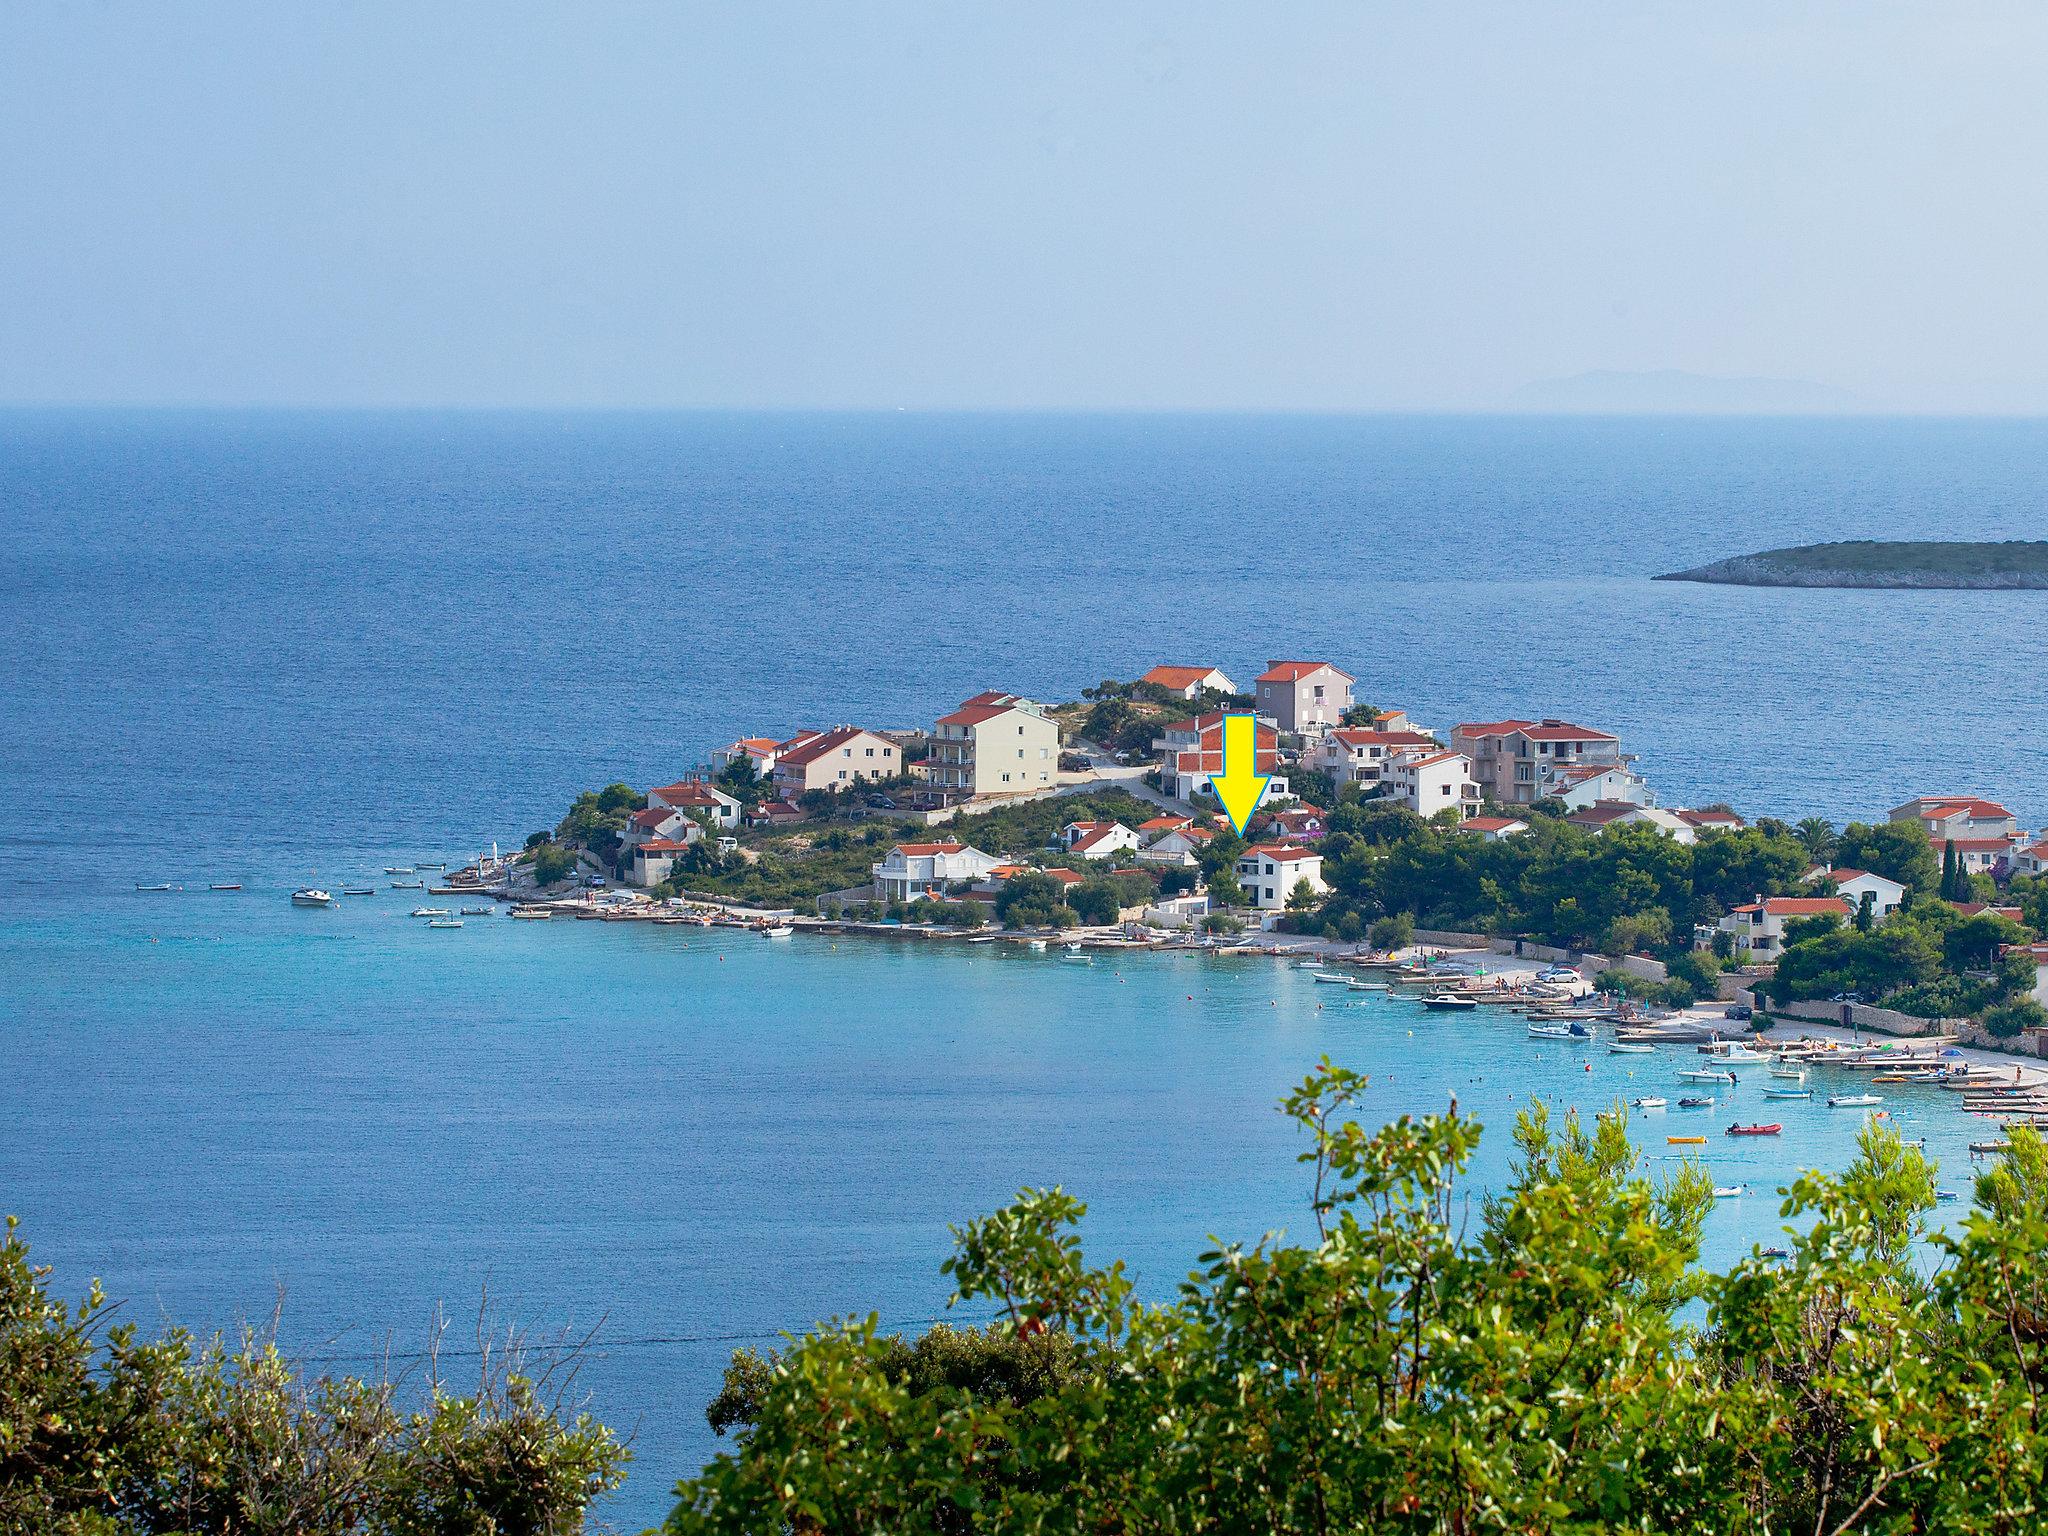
1580, 785
1183, 911
1178, 847
1712, 820
1356, 755
698, 797
1620, 813
1188, 682
913, 869
838, 759
758, 750
1303, 696
994, 744
2031, 860
1098, 839
1979, 855
1759, 926
1494, 828
1269, 873
1428, 782
1852, 885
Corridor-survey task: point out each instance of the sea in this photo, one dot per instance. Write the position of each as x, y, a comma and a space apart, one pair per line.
273, 648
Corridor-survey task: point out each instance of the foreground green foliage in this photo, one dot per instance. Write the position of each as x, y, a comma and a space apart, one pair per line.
104, 1434
1420, 1365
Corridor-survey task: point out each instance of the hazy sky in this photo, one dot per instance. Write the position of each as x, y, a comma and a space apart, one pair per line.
1377, 203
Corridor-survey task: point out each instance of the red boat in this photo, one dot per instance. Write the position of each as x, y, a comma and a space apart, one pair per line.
1755, 1130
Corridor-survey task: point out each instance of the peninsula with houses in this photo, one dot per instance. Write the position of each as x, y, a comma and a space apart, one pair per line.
1098, 817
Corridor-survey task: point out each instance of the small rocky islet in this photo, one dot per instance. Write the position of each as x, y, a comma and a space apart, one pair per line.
2016, 564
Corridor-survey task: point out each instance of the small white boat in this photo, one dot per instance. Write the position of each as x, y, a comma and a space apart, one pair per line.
408, 885
533, 914
1077, 958
445, 922
359, 890
1649, 1102
1630, 1048
1730, 1191
1743, 1053
1788, 1093
398, 869
1945, 1195
1703, 1076
1364, 986
1550, 1032
1853, 1100
1449, 1001
311, 896
779, 931
1796, 1077
1037, 945
429, 911
1328, 979
224, 885
478, 911
163, 887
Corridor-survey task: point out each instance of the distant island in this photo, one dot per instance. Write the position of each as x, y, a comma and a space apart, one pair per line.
1671, 392
2013, 565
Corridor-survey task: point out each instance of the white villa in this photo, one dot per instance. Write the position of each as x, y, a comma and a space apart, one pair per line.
1759, 926
1188, 682
1428, 782
1269, 873
696, 796
1098, 839
1514, 761
1356, 755
1852, 885
1303, 696
918, 869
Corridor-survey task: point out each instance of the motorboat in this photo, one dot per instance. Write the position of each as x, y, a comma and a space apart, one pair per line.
408, 885
1730, 1191
312, 896
478, 911
225, 885
445, 922
1627, 1048
429, 912
1743, 1053
398, 869
1701, 1075
1650, 1102
1788, 1093
778, 931
1694, 1101
1449, 1001
359, 890
1777, 1253
1329, 979
1550, 1031
1036, 946
1946, 1195
1357, 985
1755, 1130
165, 886
533, 914
1853, 1100
1797, 1077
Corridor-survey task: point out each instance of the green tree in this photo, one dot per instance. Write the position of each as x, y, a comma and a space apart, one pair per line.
1898, 850
1817, 835
1096, 902
1393, 932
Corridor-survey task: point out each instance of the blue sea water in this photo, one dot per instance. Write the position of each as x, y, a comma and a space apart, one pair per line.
265, 648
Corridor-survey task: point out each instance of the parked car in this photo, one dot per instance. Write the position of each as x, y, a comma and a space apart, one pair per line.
1737, 1011
1073, 762
593, 882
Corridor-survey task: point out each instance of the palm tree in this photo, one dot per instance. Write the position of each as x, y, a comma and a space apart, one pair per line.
1818, 834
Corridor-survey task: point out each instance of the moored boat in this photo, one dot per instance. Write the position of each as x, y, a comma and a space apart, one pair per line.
164, 886
533, 914
1448, 1001
1629, 1048
1853, 1100
1771, 1129
429, 912
1788, 1093
312, 896
445, 922
1693, 1101
1650, 1101
225, 885
1700, 1075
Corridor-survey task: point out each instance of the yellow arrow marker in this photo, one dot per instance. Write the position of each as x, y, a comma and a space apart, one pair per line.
1240, 786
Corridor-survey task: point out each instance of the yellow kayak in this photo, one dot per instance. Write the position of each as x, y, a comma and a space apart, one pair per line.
1685, 1141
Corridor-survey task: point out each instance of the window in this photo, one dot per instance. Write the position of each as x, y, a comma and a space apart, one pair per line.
1269, 870
1269, 892
871, 751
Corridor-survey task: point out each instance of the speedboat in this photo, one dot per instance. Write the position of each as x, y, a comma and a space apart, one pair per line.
1777, 1253
1036, 946
1701, 1075
1730, 1191
1788, 1093
533, 914
312, 897
1450, 1001
779, 931
408, 885
1695, 1102
1624, 1048
1550, 1031
1853, 1100
1743, 1053
398, 869
1755, 1130
1651, 1102
1946, 1195
429, 911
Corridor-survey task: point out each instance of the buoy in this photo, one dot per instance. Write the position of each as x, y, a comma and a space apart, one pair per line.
1589, 1066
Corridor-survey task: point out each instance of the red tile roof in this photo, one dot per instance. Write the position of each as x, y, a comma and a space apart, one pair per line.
689, 792
1492, 727
819, 745
920, 850
1492, 823
653, 816
1295, 671
1563, 730
1359, 736
1797, 906
1176, 677
1974, 844
661, 845
1165, 823
1279, 853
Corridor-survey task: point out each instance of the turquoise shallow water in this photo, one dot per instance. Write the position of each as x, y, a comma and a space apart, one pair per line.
262, 648
696, 1141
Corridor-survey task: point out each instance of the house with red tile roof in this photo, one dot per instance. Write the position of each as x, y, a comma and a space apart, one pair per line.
1495, 828
838, 759
1302, 696
1431, 781
1178, 847
1098, 839
757, 750
1758, 927
2031, 859
1357, 755
1290, 824
1188, 682
699, 799
1712, 820
1191, 752
994, 744
1948, 817
1515, 761
1603, 814
911, 870
653, 861
1269, 873
1992, 856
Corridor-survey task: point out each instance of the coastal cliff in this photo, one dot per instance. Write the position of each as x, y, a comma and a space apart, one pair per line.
1933, 564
